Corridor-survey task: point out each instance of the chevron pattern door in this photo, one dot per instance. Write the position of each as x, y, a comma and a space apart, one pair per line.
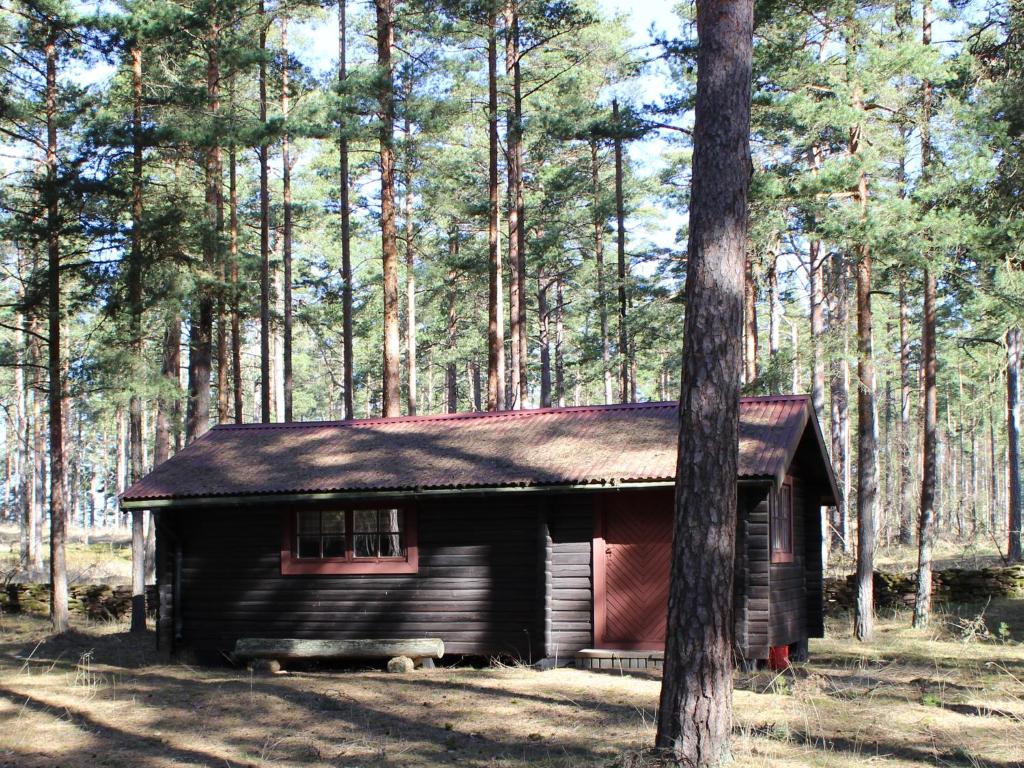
638, 551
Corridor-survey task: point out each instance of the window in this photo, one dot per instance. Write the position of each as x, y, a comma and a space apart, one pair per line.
782, 525
378, 540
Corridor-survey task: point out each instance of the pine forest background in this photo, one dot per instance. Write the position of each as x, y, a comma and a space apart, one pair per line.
199, 225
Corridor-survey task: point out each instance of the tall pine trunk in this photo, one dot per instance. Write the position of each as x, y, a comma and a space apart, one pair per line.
839, 386
410, 262
58, 519
346, 226
516, 212
544, 337
389, 234
749, 323
602, 300
286, 203
495, 318
236, 312
135, 270
1013, 496
816, 269
620, 231
266, 381
452, 296
906, 501
867, 413
695, 713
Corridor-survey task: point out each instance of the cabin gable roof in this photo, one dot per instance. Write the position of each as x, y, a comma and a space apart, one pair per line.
629, 444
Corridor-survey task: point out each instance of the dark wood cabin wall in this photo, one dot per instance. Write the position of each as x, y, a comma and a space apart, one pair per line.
788, 616
752, 572
571, 528
814, 577
477, 586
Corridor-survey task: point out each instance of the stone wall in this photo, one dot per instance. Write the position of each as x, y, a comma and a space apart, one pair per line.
95, 601
952, 585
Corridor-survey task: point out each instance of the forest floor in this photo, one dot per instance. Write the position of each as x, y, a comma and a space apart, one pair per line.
94, 556
950, 696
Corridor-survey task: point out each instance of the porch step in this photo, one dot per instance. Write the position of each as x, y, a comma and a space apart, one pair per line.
600, 658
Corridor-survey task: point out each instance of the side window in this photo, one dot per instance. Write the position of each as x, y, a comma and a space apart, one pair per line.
782, 525
354, 540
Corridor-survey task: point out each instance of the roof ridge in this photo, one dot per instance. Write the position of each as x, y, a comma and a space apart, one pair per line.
461, 416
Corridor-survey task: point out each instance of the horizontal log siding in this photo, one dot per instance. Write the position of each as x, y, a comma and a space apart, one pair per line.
571, 526
752, 572
476, 588
814, 577
788, 622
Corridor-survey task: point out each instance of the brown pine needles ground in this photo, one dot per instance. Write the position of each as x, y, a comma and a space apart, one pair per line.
951, 697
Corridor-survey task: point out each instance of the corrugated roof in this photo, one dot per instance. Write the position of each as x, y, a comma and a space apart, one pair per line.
617, 444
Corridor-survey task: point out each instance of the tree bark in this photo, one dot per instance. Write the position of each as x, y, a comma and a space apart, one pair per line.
695, 713
839, 386
544, 337
749, 323
389, 234
346, 226
495, 319
867, 416
135, 270
816, 269
559, 344
451, 370
410, 262
171, 372
516, 212
236, 313
620, 230
201, 334
602, 300
1014, 517
906, 458
266, 382
286, 204
58, 519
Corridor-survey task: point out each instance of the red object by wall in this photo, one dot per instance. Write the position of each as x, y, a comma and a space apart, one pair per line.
778, 657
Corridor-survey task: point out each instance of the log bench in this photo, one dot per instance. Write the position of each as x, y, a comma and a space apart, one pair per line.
421, 650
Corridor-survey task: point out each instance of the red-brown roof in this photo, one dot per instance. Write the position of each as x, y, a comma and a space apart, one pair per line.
609, 444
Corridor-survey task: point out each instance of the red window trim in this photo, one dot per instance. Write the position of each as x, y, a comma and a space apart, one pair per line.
325, 566
780, 555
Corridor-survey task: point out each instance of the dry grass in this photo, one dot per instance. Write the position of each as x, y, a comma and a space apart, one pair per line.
98, 697
950, 552
100, 556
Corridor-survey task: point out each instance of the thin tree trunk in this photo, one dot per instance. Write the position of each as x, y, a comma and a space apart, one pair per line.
749, 323
906, 466
201, 334
451, 371
346, 227
58, 520
620, 230
410, 263
389, 235
695, 712
559, 344
495, 319
993, 493
286, 203
816, 269
266, 381
774, 305
236, 314
602, 299
170, 370
516, 239
839, 385
544, 339
138, 621
1014, 521
867, 416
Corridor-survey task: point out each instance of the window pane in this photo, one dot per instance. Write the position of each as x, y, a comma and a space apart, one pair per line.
365, 544
309, 522
389, 521
391, 545
333, 522
309, 546
334, 546
365, 520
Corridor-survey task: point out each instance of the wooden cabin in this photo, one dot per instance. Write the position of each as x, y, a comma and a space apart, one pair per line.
542, 535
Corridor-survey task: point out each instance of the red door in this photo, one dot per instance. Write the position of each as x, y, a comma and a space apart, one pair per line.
636, 549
